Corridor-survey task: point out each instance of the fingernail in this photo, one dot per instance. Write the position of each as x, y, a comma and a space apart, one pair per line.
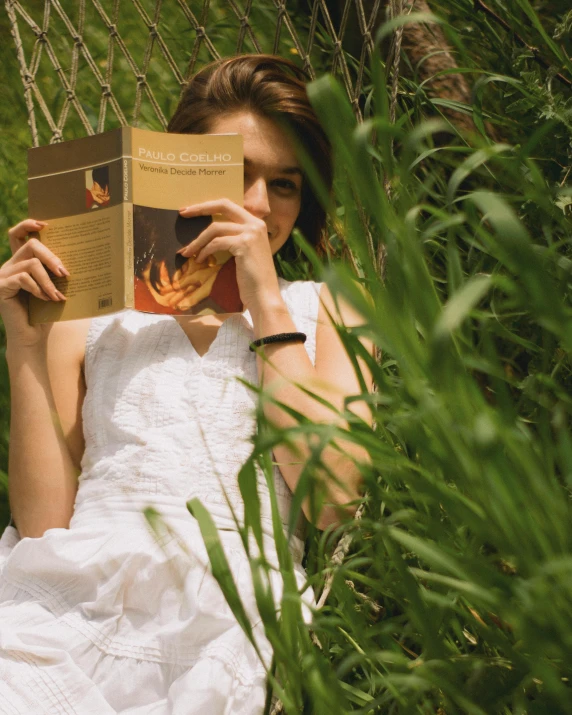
63, 271
61, 296
41, 223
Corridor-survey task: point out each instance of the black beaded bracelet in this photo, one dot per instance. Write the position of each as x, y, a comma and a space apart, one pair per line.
279, 338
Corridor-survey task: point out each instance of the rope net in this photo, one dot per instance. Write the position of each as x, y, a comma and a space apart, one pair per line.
93, 65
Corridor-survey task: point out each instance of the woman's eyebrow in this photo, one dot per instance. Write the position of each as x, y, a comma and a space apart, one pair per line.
291, 170
280, 170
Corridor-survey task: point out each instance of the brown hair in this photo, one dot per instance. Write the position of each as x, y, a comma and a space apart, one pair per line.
273, 87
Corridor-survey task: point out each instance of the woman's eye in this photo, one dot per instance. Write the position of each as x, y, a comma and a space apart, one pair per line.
285, 184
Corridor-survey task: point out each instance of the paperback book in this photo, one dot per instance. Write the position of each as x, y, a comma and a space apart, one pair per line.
112, 204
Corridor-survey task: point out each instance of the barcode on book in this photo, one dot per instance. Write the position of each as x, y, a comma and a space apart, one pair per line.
104, 302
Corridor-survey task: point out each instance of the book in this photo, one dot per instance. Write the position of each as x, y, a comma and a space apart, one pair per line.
112, 205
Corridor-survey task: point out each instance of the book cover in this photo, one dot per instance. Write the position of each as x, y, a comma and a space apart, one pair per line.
111, 202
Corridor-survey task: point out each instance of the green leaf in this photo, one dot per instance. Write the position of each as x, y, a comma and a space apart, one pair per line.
413, 18
458, 307
219, 565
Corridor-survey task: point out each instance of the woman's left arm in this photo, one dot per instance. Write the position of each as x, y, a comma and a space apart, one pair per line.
285, 368
286, 371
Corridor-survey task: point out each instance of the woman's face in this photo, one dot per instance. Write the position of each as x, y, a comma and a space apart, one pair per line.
272, 174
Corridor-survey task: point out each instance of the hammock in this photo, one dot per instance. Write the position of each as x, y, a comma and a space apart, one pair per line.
93, 65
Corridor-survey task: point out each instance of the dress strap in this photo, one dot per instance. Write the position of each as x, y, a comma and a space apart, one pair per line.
303, 300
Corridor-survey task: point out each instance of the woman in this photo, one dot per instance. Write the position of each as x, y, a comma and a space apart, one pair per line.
96, 615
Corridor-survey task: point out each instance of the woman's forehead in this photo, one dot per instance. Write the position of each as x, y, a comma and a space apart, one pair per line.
282, 168
265, 142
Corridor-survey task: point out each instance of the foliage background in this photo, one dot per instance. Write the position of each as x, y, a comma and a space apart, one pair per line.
455, 595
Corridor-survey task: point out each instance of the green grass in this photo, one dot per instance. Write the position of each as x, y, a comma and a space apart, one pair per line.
465, 545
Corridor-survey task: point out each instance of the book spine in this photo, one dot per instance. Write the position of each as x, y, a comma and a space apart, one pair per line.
129, 284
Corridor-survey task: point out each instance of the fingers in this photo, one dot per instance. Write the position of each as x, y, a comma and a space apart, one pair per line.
221, 243
191, 283
36, 249
188, 286
226, 207
176, 298
18, 234
22, 281
166, 295
197, 295
191, 266
35, 268
157, 296
199, 277
23, 249
164, 274
12, 285
26, 270
213, 230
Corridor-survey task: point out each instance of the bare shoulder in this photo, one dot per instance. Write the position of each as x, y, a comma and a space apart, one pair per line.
338, 310
332, 359
66, 341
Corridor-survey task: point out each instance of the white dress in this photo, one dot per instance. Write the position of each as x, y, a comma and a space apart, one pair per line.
105, 618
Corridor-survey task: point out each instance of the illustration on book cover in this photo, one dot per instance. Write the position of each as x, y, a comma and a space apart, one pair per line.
165, 281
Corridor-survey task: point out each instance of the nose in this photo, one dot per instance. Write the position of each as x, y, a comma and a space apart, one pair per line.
256, 198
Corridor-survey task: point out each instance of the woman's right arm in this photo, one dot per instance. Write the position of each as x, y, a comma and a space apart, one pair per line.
47, 389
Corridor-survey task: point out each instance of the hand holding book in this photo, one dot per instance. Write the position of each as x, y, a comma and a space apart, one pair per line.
24, 274
246, 237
